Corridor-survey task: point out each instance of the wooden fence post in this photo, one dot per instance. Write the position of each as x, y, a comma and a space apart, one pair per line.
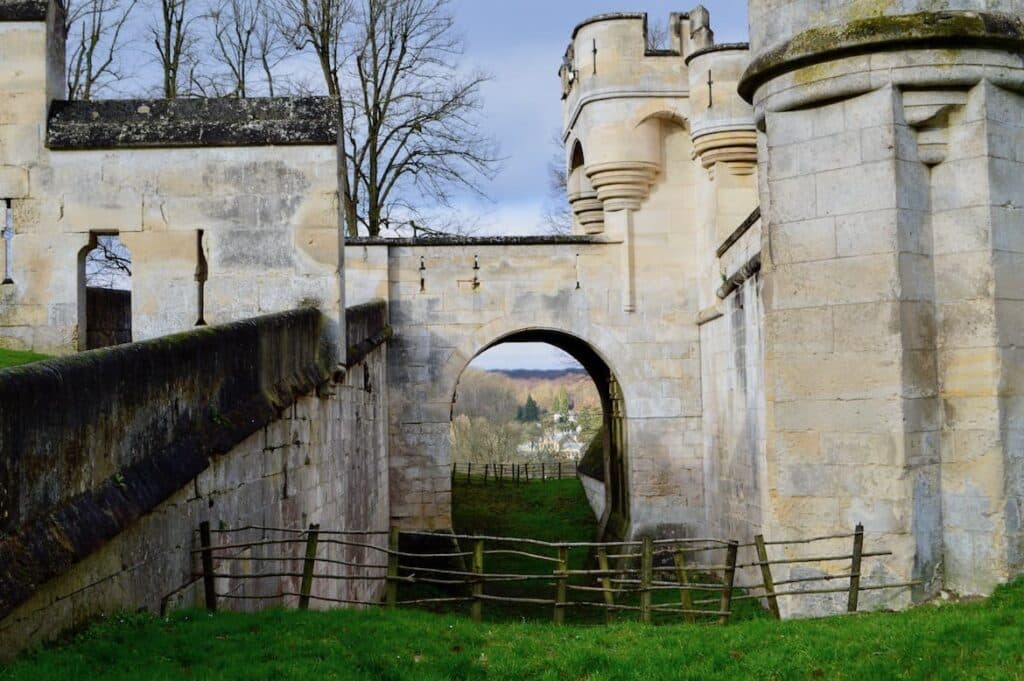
858, 552
501, 472
559, 470
606, 583
469, 472
563, 577
766, 575
392, 583
730, 581
685, 596
476, 610
646, 576
312, 539
487, 469
543, 473
209, 581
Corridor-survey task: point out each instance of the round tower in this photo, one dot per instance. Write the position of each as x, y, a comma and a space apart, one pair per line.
891, 181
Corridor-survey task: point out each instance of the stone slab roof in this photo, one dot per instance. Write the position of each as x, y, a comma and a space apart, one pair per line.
157, 123
22, 10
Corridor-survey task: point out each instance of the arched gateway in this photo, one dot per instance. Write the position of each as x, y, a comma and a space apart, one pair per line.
614, 520
452, 299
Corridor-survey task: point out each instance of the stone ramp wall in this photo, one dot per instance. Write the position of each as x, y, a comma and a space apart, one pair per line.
110, 460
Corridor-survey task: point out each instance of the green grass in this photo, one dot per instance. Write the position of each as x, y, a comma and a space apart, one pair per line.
554, 511
968, 641
13, 358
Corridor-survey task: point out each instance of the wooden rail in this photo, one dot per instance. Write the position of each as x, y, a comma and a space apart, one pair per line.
512, 473
621, 577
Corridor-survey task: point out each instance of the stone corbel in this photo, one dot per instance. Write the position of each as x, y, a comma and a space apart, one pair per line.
735, 149
928, 113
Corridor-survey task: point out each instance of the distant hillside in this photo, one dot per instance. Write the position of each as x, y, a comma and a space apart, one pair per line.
497, 394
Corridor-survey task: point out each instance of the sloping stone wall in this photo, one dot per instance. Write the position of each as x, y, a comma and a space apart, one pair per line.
238, 425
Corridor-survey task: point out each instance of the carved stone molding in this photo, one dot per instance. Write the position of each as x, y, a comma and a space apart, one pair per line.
622, 185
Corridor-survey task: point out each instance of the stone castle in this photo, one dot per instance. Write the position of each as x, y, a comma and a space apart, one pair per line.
795, 277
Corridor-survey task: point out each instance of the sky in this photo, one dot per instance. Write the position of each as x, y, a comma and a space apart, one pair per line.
521, 45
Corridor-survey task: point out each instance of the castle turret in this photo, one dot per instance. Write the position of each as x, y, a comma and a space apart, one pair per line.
891, 184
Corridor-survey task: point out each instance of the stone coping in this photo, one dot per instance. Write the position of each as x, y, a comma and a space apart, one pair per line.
222, 122
539, 240
724, 47
924, 30
738, 233
23, 10
607, 16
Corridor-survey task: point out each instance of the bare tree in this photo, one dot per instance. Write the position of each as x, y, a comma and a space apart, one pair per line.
109, 264
411, 113
95, 30
318, 25
658, 36
414, 132
173, 35
246, 38
271, 46
557, 217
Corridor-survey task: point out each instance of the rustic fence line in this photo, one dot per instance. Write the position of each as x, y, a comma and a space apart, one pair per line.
622, 577
513, 472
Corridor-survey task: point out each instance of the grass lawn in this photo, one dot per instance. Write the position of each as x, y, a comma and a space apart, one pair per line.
13, 358
962, 641
971, 641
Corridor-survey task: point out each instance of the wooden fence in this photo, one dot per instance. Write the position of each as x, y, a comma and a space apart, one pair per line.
513, 472
636, 577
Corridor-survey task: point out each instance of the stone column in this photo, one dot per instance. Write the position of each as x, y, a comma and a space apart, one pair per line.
888, 137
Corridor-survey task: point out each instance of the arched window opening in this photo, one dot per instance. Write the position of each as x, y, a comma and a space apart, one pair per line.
577, 159
105, 287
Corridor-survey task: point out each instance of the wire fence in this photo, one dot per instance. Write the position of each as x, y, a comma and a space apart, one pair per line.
486, 473
693, 580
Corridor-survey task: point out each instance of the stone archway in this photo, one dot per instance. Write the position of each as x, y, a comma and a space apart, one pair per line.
614, 520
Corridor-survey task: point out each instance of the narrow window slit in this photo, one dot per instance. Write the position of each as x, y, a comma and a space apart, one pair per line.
8, 236
202, 274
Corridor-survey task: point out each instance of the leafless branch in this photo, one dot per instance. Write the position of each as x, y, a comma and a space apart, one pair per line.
95, 30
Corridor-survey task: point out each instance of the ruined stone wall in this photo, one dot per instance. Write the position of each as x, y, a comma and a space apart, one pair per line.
229, 207
265, 438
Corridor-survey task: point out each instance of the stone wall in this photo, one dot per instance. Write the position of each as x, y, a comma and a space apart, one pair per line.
103, 503
890, 182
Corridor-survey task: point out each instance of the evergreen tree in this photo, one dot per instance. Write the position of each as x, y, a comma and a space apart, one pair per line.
529, 412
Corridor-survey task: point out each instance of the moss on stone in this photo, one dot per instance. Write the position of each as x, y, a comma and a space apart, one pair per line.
875, 33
